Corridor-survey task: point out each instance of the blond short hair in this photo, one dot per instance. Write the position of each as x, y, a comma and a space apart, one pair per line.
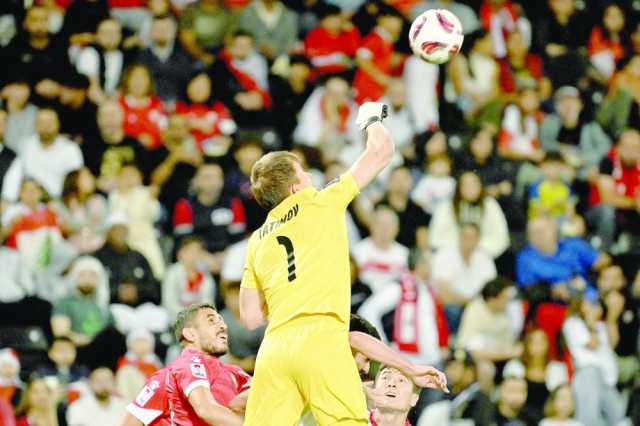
272, 177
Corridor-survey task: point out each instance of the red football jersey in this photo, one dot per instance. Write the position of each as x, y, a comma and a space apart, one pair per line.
194, 369
151, 406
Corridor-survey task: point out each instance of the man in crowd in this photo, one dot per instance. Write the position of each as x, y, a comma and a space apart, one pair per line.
169, 64
100, 407
558, 263
10, 168
210, 213
48, 156
128, 270
617, 197
380, 258
485, 330
460, 271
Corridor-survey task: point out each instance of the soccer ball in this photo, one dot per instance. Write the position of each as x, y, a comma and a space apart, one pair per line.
436, 35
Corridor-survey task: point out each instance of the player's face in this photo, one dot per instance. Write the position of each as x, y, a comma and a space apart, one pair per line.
304, 178
211, 332
397, 388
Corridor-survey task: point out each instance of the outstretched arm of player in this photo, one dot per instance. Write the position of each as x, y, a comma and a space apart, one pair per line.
422, 375
379, 145
252, 308
212, 413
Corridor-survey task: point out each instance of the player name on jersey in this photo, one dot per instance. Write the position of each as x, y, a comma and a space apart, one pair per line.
269, 227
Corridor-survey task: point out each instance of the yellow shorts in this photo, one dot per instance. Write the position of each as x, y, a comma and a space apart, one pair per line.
307, 363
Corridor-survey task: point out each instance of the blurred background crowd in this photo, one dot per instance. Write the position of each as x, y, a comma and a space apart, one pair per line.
128, 129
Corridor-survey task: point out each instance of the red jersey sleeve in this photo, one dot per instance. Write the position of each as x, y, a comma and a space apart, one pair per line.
151, 402
191, 373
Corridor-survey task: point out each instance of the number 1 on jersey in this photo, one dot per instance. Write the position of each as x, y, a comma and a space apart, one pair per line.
291, 259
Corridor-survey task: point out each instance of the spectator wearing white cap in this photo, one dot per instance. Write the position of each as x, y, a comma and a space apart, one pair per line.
125, 265
84, 313
137, 364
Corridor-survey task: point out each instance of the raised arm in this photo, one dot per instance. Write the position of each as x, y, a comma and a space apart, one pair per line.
372, 348
212, 413
379, 145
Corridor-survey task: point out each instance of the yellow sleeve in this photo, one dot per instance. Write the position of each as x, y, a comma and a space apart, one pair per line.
249, 279
340, 191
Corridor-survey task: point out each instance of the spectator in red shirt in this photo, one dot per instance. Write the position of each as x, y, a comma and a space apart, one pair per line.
145, 117
210, 122
521, 68
332, 45
616, 195
215, 216
375, 57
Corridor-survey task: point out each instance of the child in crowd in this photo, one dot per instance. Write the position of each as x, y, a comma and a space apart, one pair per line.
559, 409
436, 186
552, 196
63, 366
187, 281
140, 353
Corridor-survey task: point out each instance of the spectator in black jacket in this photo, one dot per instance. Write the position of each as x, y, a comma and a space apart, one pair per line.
130, 276
169, 63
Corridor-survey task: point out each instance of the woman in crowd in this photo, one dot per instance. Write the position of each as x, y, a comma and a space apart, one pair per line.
145, 117
470, 205
82, 212
541, 372
475, 76
596, 372
38, 406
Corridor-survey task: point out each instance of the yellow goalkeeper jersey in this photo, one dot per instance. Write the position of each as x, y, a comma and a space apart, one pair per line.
299, 258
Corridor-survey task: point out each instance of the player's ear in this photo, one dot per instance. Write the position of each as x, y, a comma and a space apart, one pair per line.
415, 396
189, 334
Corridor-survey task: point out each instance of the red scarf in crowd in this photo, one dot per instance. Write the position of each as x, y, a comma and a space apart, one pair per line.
245, 80
406, 328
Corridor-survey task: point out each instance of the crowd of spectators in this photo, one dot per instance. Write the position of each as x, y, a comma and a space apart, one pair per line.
501, 245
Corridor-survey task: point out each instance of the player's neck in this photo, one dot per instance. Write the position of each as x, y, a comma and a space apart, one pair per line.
389, 418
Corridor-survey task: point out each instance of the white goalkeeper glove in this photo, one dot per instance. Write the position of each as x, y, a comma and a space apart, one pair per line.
369, 113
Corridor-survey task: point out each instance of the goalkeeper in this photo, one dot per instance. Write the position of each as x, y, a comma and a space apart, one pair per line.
297, 277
